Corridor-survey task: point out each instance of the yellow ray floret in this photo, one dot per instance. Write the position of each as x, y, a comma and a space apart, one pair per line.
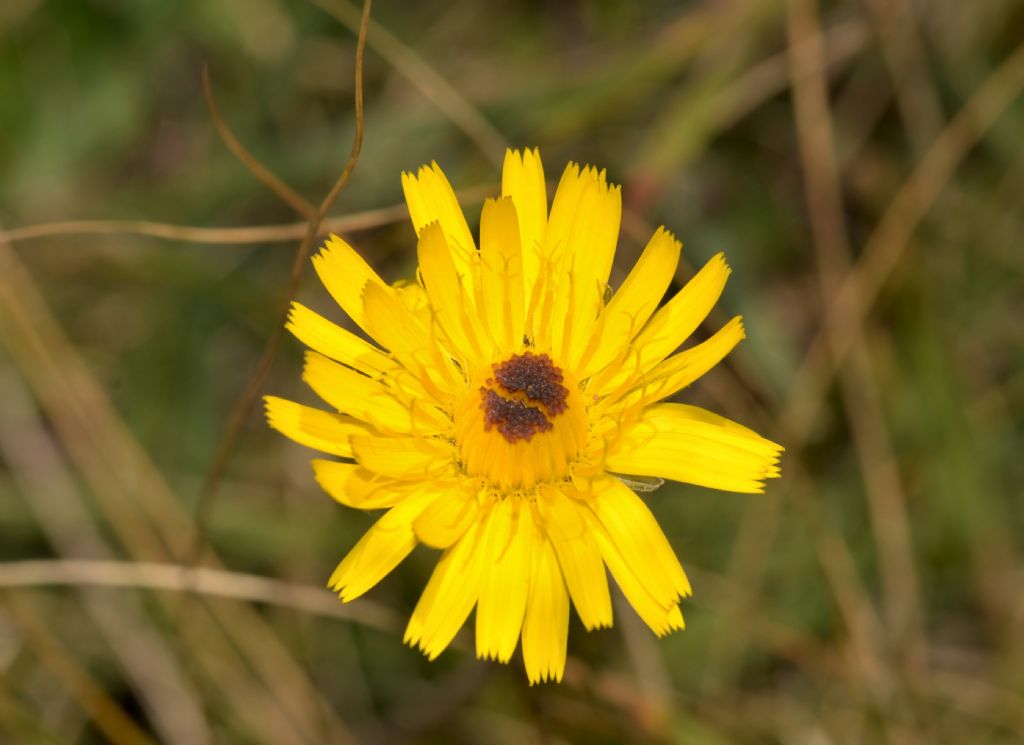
503, 406
505, 551
341, 345
522, 181
320, 430
684, 443
355, 486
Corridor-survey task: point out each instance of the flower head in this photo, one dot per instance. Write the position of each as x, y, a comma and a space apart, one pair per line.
503, 399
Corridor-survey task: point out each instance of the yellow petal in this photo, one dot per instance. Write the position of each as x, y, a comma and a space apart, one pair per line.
697, 414
407, 339
682, 369
546, 625
671, 325
379, 551
505, 551
354, 486
580, 244
639, 538
320, 430
522, 179
448, 598
562, 219
594, 242
453, 310
393, 326
414, 299
579, 557
339, 344
633, 304
447, 519
355, 394
431, 199
548, 298
694, 421
501, 273
684, 443
402, 457
660, 617
345, 274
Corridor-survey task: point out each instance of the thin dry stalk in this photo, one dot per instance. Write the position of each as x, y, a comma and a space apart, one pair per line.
352, 223
147, 517
882, 252
217, 583
115, 724
246, 401
888, 242
53, 497
263, 174
886, 498
424, 78
653, 682
904, 55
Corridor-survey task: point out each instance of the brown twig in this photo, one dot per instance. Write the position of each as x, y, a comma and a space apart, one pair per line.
295, 200
191, 234
352, 223
247, 399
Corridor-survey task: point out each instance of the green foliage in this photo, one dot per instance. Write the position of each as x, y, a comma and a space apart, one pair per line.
794, 634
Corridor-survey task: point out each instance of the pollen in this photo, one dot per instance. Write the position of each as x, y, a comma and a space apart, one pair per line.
536, 376
523, 423
514, 419
523, 396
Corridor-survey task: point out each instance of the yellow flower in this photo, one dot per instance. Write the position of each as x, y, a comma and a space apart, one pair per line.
503, 400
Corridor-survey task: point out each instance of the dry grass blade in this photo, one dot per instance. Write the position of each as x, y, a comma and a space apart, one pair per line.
888, 242
843, 42
905, 56
679, 134
52, 495
148, 519
886, 498
256, 168
202, 580
652, 680
115, 724
433, 86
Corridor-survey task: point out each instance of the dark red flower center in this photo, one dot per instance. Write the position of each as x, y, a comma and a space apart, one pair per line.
523, 396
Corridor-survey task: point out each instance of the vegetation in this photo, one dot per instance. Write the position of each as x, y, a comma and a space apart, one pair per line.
860, 163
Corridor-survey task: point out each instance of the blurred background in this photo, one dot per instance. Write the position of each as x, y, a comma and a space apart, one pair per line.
859, 162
